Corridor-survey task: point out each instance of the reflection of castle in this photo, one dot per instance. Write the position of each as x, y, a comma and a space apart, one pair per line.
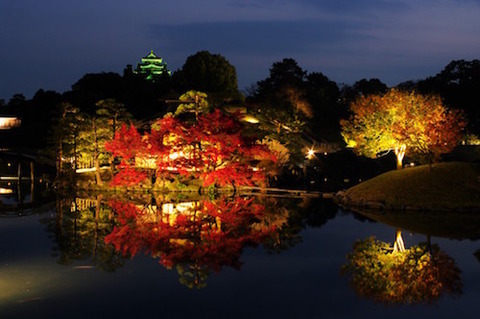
152, 67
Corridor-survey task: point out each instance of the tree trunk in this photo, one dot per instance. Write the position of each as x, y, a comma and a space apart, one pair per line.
75, 153
96, 231
111, 159
399, 246
400, 154
32, 180
96, 159
19, 171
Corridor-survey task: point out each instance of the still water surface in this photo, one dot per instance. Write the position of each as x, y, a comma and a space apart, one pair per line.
283, 264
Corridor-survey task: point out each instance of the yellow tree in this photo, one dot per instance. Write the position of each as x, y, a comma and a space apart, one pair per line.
399, 121
437, 130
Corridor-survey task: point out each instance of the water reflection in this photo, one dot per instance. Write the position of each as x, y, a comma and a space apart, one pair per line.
445, 224
76, 277
23, 188
23, 197
80, 226
394, 274
194, 236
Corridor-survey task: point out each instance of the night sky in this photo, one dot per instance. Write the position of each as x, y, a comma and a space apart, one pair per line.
50, 44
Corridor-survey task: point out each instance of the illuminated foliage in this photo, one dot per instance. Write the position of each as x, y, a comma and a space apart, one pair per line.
66, 133
402, 121
193, 101
126, 145
80, 226
416, 275
439, 132
195, 237
281, 153
112, 114
280, 103
152, 67
212, 149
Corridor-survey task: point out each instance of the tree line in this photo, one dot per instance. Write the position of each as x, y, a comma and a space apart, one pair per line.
293, 107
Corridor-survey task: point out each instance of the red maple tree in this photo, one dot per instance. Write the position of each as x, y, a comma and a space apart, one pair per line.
213, 149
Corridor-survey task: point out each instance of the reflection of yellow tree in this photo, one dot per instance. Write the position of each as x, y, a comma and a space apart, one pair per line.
420, 274
80, 226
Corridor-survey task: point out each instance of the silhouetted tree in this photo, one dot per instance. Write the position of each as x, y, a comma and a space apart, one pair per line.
281, 104
38, 116
323, 96
373, 86
93, 87
16, 100
209, 73
458, 84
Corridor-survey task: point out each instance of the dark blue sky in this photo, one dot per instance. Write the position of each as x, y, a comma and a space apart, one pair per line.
50, 44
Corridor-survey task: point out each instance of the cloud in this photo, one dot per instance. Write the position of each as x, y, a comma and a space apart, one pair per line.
261, 36
255, 45
394, 46
53, 43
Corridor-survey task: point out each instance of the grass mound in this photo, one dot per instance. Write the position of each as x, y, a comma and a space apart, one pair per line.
444, 186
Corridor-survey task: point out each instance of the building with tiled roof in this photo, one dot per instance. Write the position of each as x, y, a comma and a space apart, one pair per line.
152, 67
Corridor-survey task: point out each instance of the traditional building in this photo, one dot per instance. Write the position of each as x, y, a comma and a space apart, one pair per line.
8, 122
152, 67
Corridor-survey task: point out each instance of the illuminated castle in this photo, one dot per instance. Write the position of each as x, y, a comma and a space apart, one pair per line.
152, 67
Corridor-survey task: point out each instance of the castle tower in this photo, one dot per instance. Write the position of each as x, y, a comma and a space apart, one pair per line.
152, 67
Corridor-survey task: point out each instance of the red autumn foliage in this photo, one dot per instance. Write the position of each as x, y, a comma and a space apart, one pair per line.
126, 144
213, 149
128, 176
210, 234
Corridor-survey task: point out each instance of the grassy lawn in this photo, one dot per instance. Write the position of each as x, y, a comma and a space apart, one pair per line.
444, 186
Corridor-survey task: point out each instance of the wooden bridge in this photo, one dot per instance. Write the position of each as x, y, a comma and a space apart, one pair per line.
280, 192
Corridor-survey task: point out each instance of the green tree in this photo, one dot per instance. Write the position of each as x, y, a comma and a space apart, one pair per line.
17, 99
368, 87
281, 104
193, 101
79, 226
97, 129
114, 113
458, 85
111, 114
65, 136
323, 95
209, 73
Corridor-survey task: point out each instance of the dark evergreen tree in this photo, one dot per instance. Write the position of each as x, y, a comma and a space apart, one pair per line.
458, 84
209, 73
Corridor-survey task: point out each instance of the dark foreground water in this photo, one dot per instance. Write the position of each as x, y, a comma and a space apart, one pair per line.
55, 264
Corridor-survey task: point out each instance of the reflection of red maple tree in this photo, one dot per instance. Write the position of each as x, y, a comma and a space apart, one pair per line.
211, 234
212, 149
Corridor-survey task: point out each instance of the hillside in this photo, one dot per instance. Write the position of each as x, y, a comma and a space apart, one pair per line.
444, 186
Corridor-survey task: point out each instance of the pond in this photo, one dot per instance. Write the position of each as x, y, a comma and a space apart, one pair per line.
238, 257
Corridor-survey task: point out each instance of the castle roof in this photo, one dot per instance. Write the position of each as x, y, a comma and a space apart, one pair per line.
151, 65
